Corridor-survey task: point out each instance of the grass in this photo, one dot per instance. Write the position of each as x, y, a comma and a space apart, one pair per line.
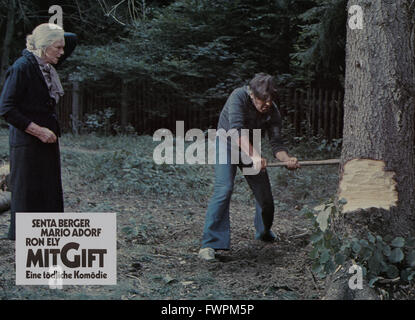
124, 164
160, 216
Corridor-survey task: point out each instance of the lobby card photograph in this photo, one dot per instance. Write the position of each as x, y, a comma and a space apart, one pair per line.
66, 249
206, 150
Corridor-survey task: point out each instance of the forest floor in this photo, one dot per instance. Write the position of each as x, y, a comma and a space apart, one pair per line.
160, 216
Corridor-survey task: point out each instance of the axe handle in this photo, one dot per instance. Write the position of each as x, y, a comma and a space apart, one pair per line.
306, 163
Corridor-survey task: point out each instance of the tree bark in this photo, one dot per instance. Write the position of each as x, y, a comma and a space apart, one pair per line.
124, 105
7, 39
378, 116
76, 112
377, 162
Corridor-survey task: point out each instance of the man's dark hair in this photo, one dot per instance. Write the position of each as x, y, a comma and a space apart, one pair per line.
263, 87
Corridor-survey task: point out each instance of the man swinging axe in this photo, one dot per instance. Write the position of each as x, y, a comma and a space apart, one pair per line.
248, 107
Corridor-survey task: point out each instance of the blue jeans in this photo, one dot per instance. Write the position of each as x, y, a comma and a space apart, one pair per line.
216, 233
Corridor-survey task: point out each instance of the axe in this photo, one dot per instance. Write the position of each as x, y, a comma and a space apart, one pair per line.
306, 163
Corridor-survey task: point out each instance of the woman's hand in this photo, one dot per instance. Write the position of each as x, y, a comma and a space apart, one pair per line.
47, 136
43, 134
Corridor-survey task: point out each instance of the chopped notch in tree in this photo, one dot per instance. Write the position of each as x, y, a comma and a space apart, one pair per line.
365, 184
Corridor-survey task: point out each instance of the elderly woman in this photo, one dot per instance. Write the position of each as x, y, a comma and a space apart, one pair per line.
28, 100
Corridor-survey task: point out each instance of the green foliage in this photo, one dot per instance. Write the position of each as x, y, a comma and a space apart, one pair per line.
317, 145
99, 122
320, 50
102, 123
200, 49
332, 146
380, 258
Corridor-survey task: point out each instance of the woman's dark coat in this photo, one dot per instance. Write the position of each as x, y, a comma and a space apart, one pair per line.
35, 172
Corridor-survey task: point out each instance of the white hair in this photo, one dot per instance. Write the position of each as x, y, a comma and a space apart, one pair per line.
43, 36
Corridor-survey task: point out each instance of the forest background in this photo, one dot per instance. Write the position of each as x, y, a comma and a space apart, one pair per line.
141, 62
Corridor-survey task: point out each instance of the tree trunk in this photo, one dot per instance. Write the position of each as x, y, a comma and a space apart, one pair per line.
377, 165
76, 112
7, 40
124, 105
378, 121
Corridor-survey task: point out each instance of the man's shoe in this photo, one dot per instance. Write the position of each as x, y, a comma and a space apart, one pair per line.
268, 236
207, 254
